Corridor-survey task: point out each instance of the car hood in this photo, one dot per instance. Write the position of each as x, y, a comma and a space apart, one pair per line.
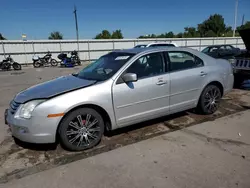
245, 35
52, 88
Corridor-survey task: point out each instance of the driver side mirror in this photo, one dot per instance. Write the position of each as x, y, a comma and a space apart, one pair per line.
129, 77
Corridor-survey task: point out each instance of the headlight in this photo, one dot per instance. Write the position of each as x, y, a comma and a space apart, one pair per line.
26, 109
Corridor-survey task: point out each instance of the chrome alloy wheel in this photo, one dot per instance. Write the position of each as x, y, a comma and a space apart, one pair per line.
212, 99
83, 130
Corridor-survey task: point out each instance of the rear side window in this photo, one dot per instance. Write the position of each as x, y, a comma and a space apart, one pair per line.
183, 60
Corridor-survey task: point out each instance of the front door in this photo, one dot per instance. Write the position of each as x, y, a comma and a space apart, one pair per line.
187, 75
146, 98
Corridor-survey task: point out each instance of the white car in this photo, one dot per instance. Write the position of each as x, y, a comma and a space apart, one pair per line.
156, 44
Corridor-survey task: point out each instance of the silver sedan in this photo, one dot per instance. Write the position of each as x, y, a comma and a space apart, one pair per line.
121, 88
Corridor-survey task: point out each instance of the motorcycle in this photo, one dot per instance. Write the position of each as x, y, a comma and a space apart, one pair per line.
44, 61
8, 62
71, 61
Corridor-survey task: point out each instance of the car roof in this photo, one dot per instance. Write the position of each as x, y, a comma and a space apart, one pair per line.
218, 45
160, 43
152, 49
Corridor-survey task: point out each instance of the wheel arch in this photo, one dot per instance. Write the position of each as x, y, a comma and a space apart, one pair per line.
218, 84
99, 109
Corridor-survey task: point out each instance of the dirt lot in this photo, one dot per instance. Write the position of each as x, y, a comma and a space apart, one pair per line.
17, 161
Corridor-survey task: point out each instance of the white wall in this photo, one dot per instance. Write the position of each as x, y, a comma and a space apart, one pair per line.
22, 51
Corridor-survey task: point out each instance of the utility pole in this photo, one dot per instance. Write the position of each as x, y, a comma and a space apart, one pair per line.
235, 16
77, 35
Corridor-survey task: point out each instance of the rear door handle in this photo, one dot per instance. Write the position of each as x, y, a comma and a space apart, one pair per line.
203, 73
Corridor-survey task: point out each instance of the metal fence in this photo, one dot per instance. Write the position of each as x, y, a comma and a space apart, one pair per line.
89, 50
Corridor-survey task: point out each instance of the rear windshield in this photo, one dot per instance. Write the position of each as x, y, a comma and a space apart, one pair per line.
156, 45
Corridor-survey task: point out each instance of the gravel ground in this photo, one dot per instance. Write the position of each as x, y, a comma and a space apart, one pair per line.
19, 160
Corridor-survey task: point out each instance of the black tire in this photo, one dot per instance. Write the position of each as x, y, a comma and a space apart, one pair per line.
209, 100
17, 66
77, 134
36, 64
238, 81
53, 63
6, 66
79, 62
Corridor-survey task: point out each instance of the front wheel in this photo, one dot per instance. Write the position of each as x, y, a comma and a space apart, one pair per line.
81, 129
36, 64
16, 66
6, 66
53, 63
209, 100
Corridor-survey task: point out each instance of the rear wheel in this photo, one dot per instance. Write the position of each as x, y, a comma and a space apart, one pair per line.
209, 99
81, 129
53, 62
16, 66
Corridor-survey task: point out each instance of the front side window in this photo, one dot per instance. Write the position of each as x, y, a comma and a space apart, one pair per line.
148, 65
183, 60
105, 67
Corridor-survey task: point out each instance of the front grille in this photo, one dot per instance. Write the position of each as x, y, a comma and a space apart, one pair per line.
242, 64
14, 106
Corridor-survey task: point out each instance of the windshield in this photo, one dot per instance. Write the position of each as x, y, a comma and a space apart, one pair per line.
205, 50
105, 67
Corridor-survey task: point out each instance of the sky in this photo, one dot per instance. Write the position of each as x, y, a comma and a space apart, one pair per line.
38, 18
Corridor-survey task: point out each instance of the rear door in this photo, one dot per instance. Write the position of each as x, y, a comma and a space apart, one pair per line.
187, 76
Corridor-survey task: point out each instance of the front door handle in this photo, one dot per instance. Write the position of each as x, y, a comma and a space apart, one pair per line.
203, 73
161, 82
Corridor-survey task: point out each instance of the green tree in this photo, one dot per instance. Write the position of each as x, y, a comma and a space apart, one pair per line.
105, 34
229, 32
153, 36
190, 32
179, 35
161, 36
169, 35
1, 37
117, 34
56, 35
210, 33
244, 26
214, 26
